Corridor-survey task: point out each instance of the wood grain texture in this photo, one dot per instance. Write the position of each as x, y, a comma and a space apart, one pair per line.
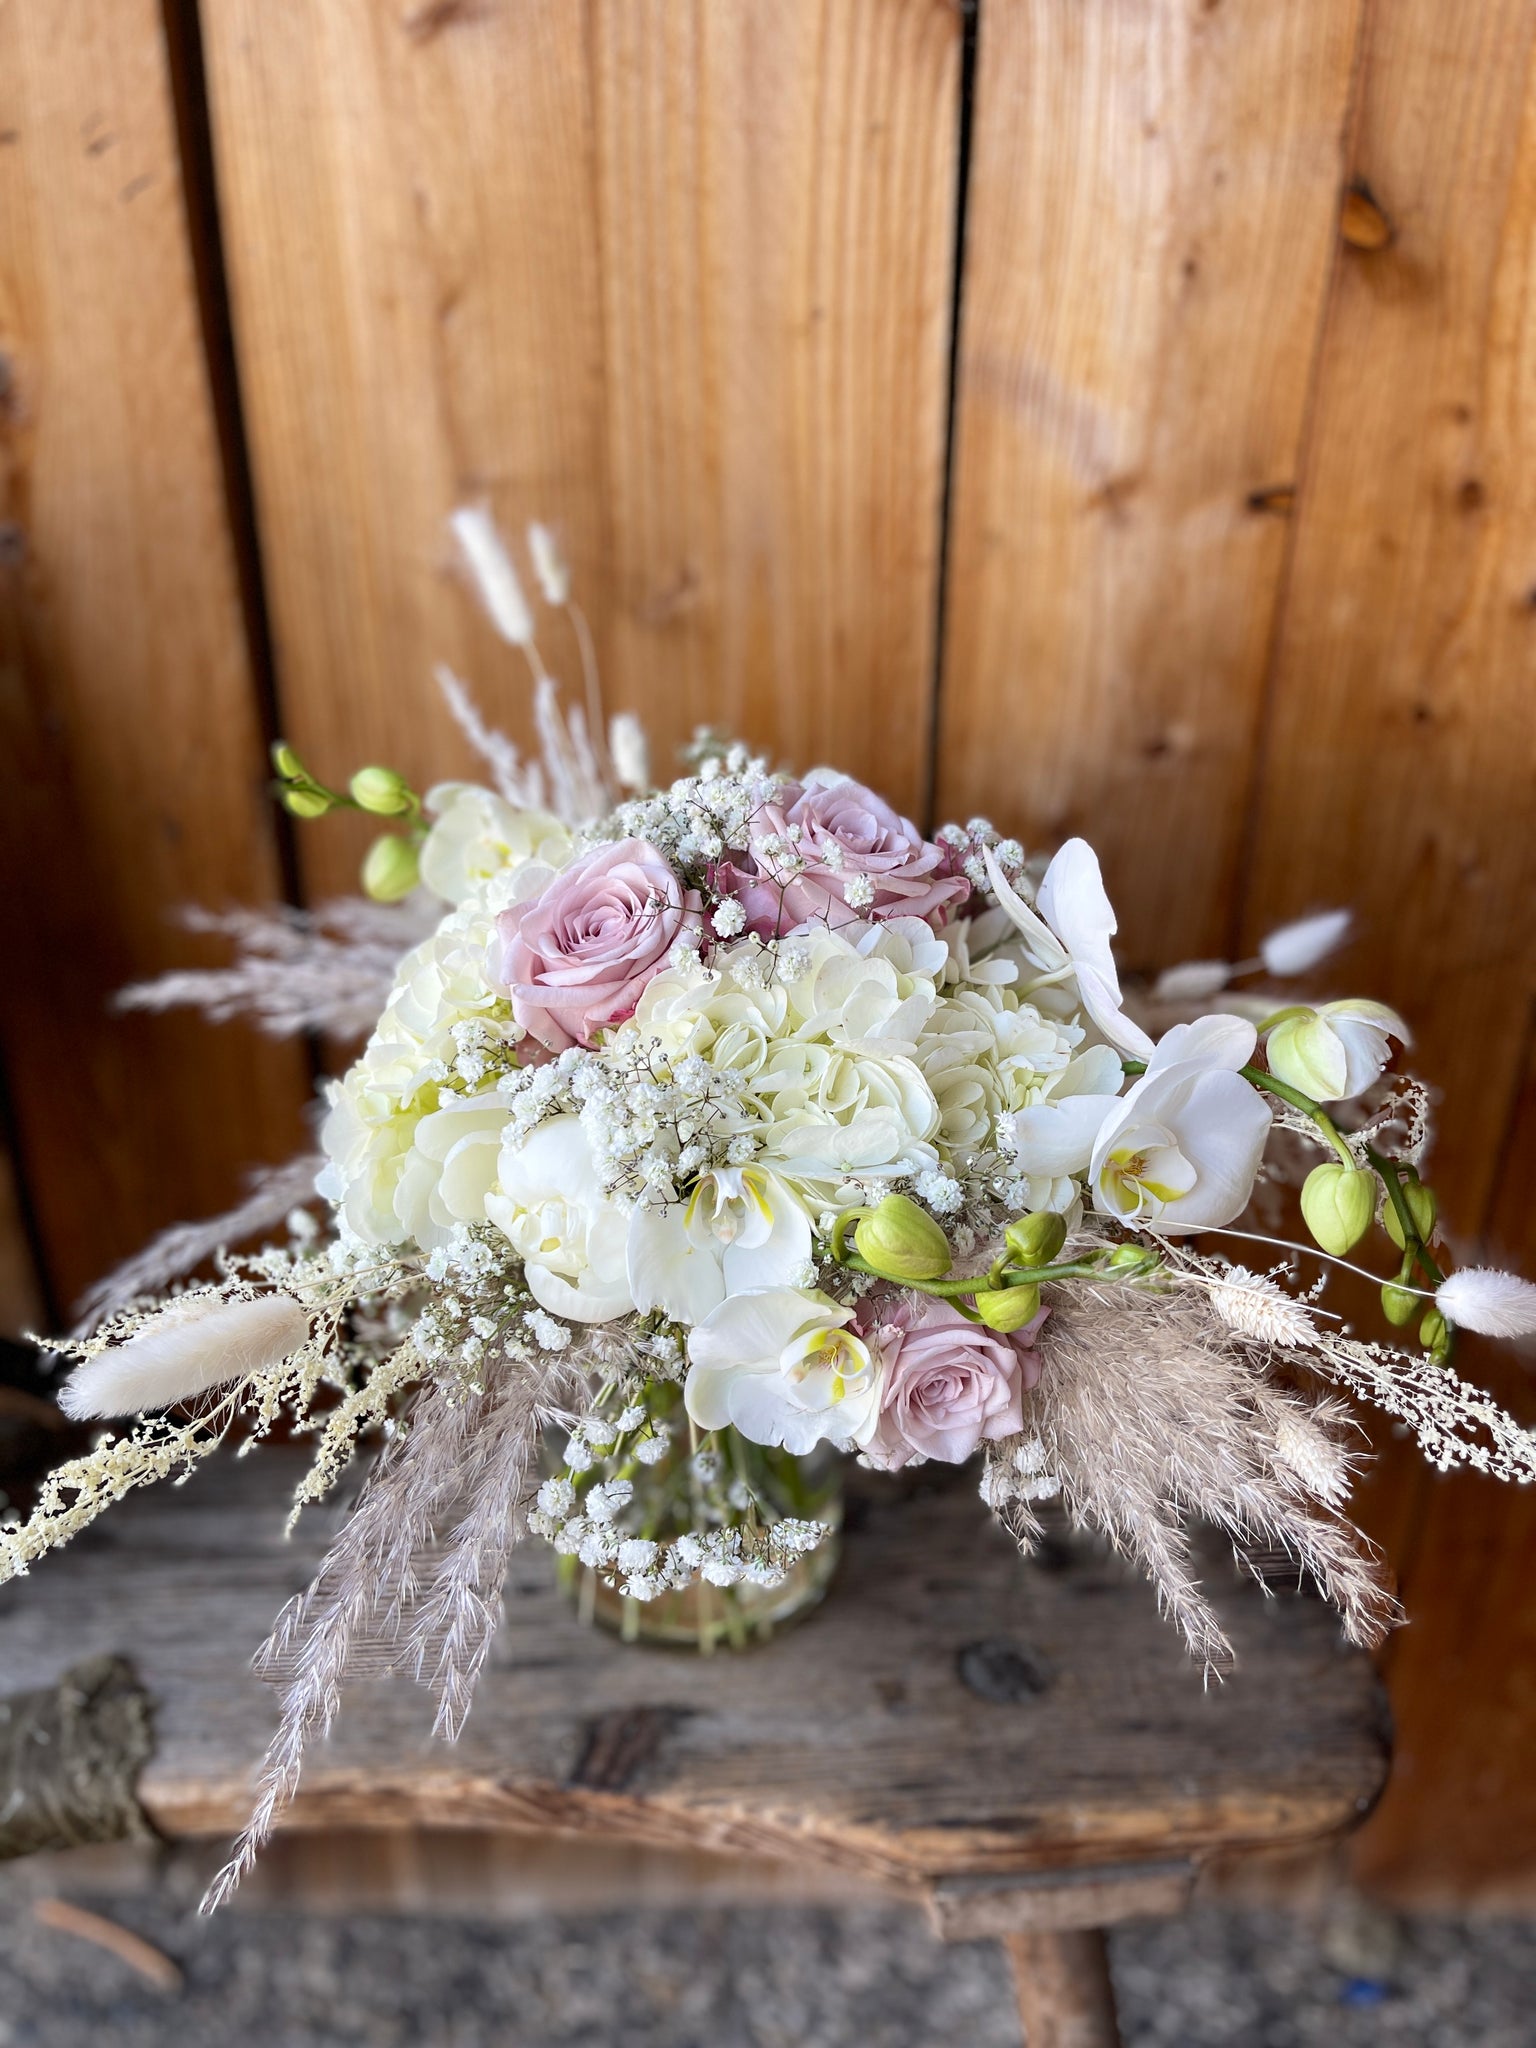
852, 1741
134, 764
1399, 771
676, 279
1152, 202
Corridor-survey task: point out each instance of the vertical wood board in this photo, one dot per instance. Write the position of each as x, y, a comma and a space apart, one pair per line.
674, 279
1150, 229
131, 737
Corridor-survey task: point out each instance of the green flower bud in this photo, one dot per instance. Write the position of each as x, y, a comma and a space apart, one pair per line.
287, 762
902, 1242
381, 791
391, 869
1435, 1336
1304, 1050
1338, 1203
1035, 1240
1422, 1207
1132, 1258
1399, 1304
1008, 1308
306, 802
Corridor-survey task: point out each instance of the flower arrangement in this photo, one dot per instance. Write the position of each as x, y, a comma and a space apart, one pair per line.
722, 1123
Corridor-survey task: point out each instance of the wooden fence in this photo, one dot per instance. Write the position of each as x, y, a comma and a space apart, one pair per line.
1115, 415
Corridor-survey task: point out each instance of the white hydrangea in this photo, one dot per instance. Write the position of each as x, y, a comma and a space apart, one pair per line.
477, 836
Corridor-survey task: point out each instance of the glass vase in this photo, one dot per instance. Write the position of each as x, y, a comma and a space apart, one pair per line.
701, 1483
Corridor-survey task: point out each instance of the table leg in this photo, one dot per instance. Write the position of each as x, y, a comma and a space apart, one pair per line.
1065, 1996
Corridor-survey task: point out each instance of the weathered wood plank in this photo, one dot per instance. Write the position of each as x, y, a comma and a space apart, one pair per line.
134, 764
1150, 228
1400, 763
1399, 775
675, 279
851, 1741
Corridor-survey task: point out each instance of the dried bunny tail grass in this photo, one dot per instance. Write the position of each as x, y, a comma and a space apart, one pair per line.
1152, 1410
329, 971
176, 1252
458, 1464
197, 1342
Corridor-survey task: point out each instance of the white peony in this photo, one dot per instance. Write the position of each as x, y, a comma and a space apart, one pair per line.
477, 835
571, 1238
740, 1228
783, 1368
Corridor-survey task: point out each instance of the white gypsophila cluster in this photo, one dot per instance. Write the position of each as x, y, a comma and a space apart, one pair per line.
700, 817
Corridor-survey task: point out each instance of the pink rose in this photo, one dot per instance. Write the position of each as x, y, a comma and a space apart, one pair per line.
577, 957
845, 831
947, 1385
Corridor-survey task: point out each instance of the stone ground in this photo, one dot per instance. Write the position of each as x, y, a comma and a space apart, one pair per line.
763, 1977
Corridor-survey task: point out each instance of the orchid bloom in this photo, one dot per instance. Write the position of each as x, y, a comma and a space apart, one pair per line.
1181, 1150
1056, 1136
783, 1368
1334, 1052
740, 1228
1069, 933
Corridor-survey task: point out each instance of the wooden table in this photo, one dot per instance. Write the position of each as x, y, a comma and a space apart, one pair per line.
1021, 1745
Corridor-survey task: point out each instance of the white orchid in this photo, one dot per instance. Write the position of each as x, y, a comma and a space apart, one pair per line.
783, 1368
1056, 1135
571, 1238
1181, 1149
1067, 934
1336, 1051
740, 1228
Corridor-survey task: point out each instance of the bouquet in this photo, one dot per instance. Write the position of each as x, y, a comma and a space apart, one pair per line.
721, 1124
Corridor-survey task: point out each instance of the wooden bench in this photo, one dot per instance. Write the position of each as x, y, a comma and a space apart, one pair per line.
1020, 1745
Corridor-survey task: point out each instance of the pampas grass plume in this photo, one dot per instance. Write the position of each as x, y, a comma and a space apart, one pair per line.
197, 1342
1492, 1303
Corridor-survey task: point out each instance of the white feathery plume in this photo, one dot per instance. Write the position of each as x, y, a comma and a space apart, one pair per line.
1494, 1304
330, 970
521, 784
549, 565
1192, 981
275, 1191
495, 579
196, 1342
628, 752
1294, 948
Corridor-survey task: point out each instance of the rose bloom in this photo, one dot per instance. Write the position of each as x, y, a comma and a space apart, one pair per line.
947, 1385
847, 834
577, 956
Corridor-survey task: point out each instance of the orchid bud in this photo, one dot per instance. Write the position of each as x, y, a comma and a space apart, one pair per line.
1422, 1207
1007, 1309
381, 791
1035, 1240
287, 762
307, 802
902, 1241
1435, 1336
1303, 1050
1338, 1203
390, 870
1399, 1303
1132, 1258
